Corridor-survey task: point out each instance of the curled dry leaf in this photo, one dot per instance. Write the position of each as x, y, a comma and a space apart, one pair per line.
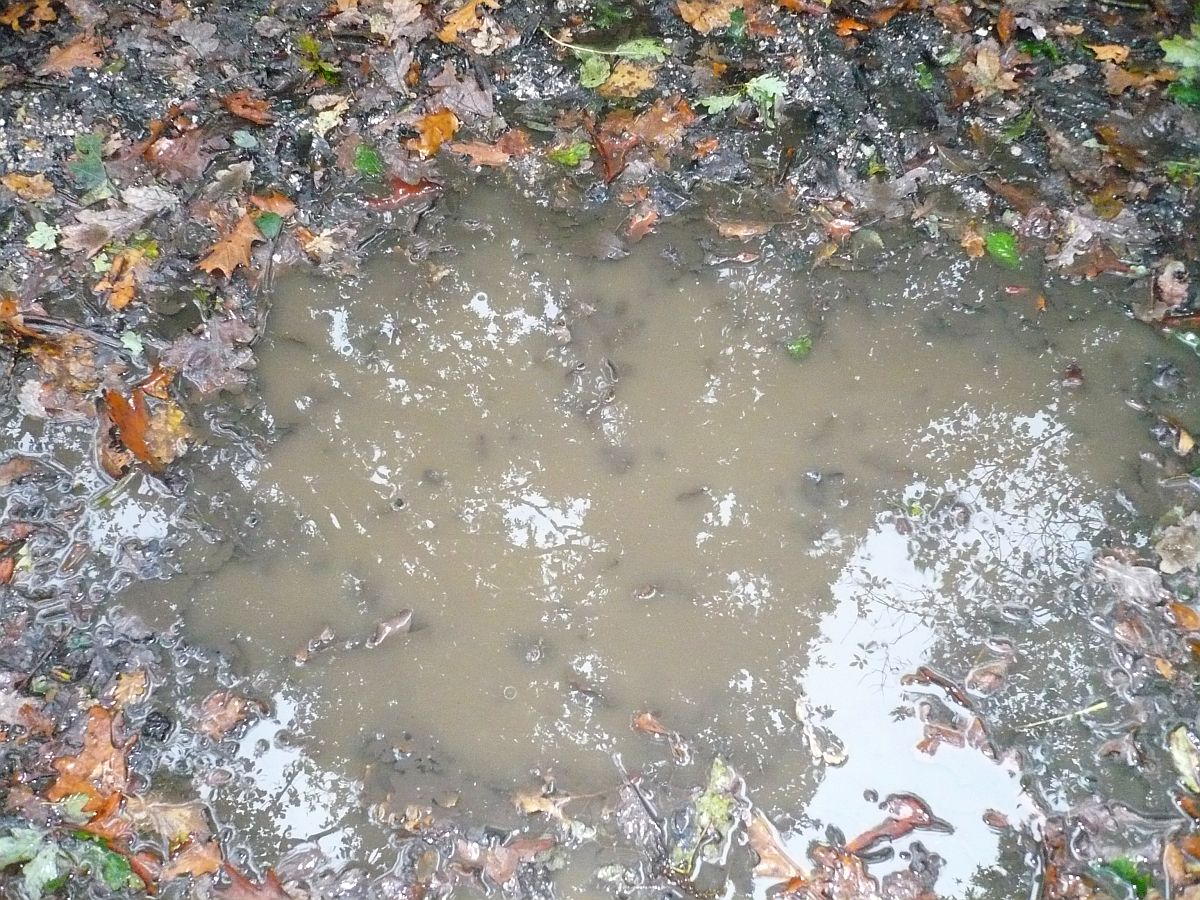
245, 105
434, 128
82, 53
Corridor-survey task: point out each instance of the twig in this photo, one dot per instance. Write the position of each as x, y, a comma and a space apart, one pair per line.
1095, 707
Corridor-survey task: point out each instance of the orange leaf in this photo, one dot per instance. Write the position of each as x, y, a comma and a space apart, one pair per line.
28, 187
81, 53
132, 419
847, 26
274, 202
465, 18
707, 15
1113, 53
233, 250
1005, 23
196, 858
435, 128
221, 712
242, 888
246, 106
120, 282
100, 769
481, 154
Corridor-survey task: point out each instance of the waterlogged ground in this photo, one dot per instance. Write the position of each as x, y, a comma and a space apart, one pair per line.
606, 486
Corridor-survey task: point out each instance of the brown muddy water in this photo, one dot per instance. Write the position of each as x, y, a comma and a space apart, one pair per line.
605, 486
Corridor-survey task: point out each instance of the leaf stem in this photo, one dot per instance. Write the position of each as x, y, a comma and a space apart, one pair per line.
580, 47
1095, 707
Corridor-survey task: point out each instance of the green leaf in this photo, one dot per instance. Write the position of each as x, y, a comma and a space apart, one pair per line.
718, 103
800, 347
90, 144
270, 224
131, 341
1015, 130
40, 871
1041, 49
367, 161
1184, 171
20, 845
1185, 757
643, 49
1002, 247
245, 139
43, 237
737, 24
71, 808
1127, 870
766, 91
594, 70
608, 14
1181, 51
1186, 90
87, 168
570, 155
924, 76
117, 873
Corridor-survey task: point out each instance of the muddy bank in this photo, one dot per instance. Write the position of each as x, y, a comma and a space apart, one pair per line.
165, 167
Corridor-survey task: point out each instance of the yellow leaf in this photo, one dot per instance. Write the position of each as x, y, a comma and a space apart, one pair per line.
628, 79
1110, 52
28, 187
707, 15
435, 128
120, 283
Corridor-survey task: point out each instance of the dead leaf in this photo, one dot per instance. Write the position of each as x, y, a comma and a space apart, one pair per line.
28, 187
847, 26
434, 128
233, 250
221, 712
464, 19
707, 15
663, 123
986, 72
274, 202
131, 687
81, 53
773, 860
1113, 53
628, 80
174, 823
119, 284
647, 723
500, 863
641, 222
195, 858
740, 229
1184, 617
215, 357
534, 801
953, 16
242, 888
182, 158
245, 105
973, 242
481, 154
156, 438
100, 769
1006, 24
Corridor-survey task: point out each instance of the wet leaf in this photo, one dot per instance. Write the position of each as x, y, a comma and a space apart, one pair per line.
20, 845
628, 80
82, 53
986, 72
245, 105
130, 687
99, 769
847, 26
707, 15
464, 19
535, 801
215, 357
1002, 247
368, 162
434, 128
800, 347
43, 237
1127, 870
180, 159
155, 437
269, 223
1183, 51
403, 193
1185, 757
494, 155
233, 250
773, 860
594, 70
1178, 547
242, 888
742, 230
221, 712
648, 723
28, 187
119, 285
570, 155
194, 859
766, 91
718, 103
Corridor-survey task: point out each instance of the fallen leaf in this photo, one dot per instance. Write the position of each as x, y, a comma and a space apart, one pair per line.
740, 229
464, 19
233, 250
1178, 547
1005, 24
215, 357
773, 860
1185, 756
647, 723
663, 123
973, 242
100, 769
641, 222
242, 888
182, 158
707, 15
119, 284
274, 202
221, 712
481, 154
986, 72
81, 53
28, 187
847, 26
131, 687
1113, 53
174, 823
402, 193
434, 128
246, 106
195, 858
156, 438
628, 80
534, 801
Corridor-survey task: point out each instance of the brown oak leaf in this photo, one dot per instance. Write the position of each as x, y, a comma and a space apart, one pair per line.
81, 53
233, 250
100, 769
246, 106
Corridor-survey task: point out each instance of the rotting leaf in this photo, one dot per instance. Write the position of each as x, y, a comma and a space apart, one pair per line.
81, 53
99, 769
221, 712
465, 19
773, 860
119, 284
245, 105
1178, 547
707, 15
242, 888
628, 80
154, 437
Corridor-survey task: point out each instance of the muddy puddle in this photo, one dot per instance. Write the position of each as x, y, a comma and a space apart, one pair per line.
608, 486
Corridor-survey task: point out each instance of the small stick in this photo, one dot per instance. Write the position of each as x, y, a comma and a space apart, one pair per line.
1095, 707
